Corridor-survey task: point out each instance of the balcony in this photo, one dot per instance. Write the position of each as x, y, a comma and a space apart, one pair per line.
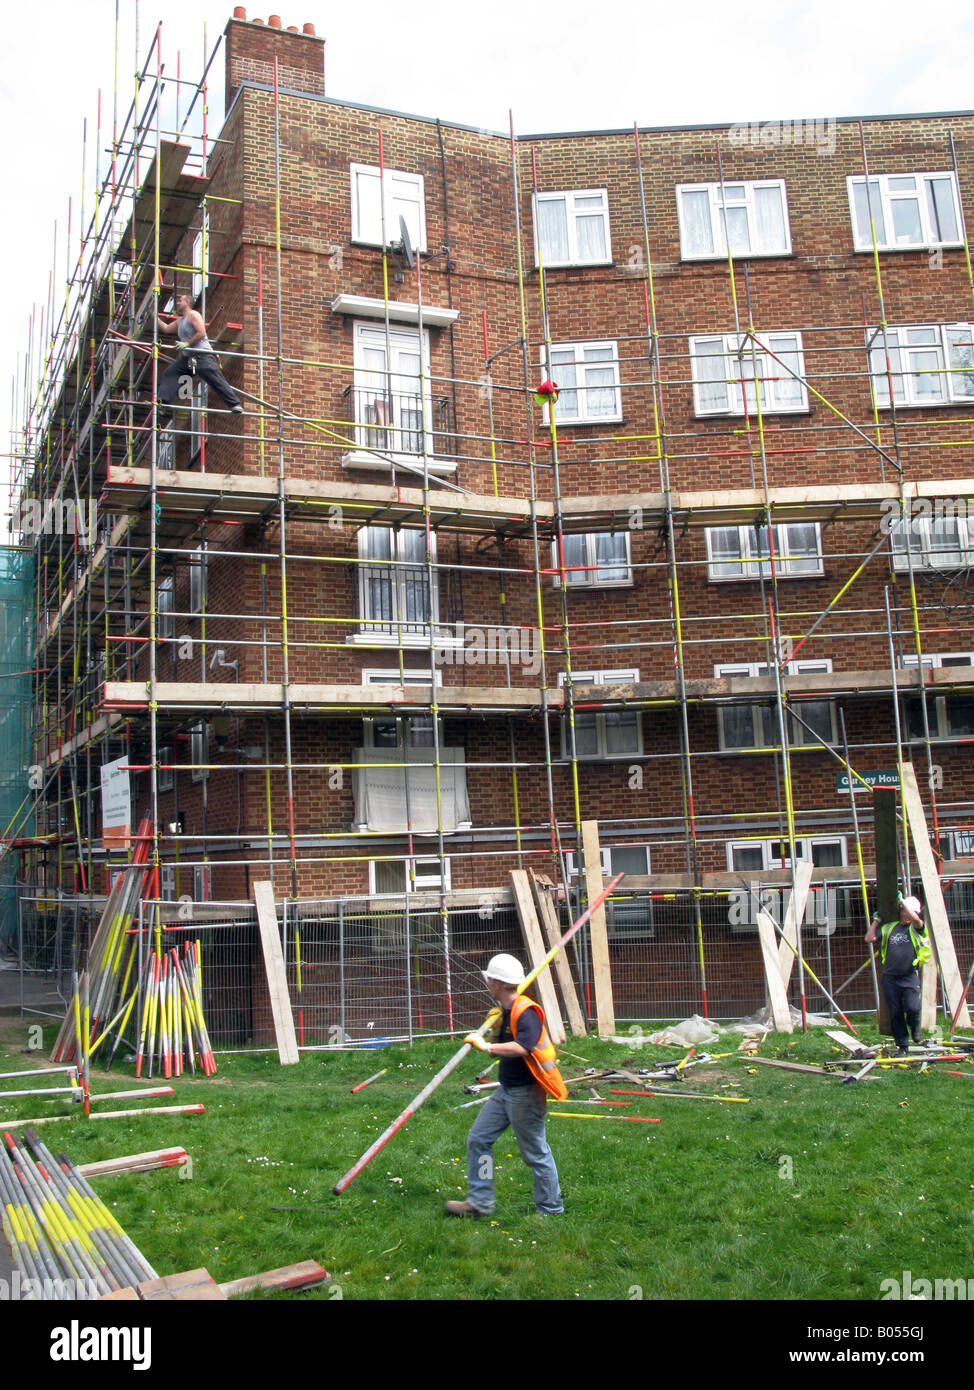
396, 428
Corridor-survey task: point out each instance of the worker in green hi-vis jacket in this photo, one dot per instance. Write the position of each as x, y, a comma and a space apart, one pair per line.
903, 945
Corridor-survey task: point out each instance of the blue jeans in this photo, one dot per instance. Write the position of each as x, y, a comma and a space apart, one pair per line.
523, 1108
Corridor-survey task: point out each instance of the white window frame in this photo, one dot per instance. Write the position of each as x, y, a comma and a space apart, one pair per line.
887, 196
197, 580
953, 379
921, 543
198, 748
424, 882
389, 632
601, 678
572, 214
403, 194
798, 736
717, 232
582, 366
167, 883
937, 711
166, 776
587, 577
379, 439
393, 678
201, 262
753, 565
816, 907
773, 380
616, 912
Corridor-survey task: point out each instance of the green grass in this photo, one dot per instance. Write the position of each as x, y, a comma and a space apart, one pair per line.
692, 1208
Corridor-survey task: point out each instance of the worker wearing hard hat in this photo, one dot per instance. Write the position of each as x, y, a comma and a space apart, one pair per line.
527, 1075
903, 945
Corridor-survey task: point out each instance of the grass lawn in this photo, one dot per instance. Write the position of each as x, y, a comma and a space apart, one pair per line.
813, 1190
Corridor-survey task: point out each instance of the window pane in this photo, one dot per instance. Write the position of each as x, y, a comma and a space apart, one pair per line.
736, 230
711, 370
800, 541
826, 854
611, 557
586, 736
575, 560
817, 714
552, 230
907, 230
960, 715
390, 877
942, 210
945, 542
590, 235
600, 392
961, 362
771, 220
697, 227
785, 391
725, 550
738, 726
864, 236
927, 379
745, 857
630, 859
622, 731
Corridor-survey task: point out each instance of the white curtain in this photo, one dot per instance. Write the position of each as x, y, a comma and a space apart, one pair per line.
379, 792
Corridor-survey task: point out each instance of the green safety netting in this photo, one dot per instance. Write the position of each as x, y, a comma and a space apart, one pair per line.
16, 598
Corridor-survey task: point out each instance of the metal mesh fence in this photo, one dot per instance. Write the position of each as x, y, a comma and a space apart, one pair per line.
360, 971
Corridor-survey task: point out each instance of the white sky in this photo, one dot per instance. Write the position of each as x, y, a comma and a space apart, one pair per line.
571, 65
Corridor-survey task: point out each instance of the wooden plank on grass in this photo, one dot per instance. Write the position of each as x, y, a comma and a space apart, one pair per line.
135, 1163
605, 1018
780, 1012
531, 930
270, 940
846, 1040
300, 1276
936, 908
192, 1286
794, 916
791, 1066
563, 971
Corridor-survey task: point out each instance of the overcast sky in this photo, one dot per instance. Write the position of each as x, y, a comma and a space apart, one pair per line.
564, 66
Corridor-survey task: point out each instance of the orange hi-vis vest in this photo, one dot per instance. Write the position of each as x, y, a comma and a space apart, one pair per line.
543, 1061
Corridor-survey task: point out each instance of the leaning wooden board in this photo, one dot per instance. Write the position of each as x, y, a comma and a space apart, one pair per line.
270, 940
531, 929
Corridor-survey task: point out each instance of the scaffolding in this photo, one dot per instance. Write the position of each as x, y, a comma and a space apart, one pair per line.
478, 498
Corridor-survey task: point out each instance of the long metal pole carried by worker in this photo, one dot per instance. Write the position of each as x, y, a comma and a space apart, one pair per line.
458, 1057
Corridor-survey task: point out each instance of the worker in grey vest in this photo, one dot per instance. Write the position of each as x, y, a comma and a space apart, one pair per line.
197, 362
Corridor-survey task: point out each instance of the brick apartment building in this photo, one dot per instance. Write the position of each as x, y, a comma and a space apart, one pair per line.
579, 619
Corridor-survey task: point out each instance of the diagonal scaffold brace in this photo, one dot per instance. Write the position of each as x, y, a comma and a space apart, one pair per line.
455, 1061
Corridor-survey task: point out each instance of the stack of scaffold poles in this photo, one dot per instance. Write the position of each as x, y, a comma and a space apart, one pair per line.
65, 1240
169, 1034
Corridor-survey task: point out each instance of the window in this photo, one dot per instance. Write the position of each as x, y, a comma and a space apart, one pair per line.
937, 542
165, 605
167, 882
418, 874
197, 418
612, 734
930, 364
727, 368
393, 406
628, 913
166, 457
744, 552
587, 377
753, 216
825, 907
396, 601
202, 883
594, 560
908, 211
410, 731
402, 196
197, 752
201, 262
572, 228
197, 581
948, 716
756, 726
166, 776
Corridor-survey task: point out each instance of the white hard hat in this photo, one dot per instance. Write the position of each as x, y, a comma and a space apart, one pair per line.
913, 906
506, 969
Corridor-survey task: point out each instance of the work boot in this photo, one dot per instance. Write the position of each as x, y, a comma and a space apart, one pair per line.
902, 1052
461, 1209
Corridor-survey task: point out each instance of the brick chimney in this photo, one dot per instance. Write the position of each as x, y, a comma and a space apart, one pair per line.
252, 45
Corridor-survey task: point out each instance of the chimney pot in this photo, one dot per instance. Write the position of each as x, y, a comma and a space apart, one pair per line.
292, 28
274, 21
258, 21
308, 29
239, 12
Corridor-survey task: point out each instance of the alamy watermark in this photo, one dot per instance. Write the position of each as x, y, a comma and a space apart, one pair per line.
34, 517
818, 134
492, 646
894, 514
938, 1290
